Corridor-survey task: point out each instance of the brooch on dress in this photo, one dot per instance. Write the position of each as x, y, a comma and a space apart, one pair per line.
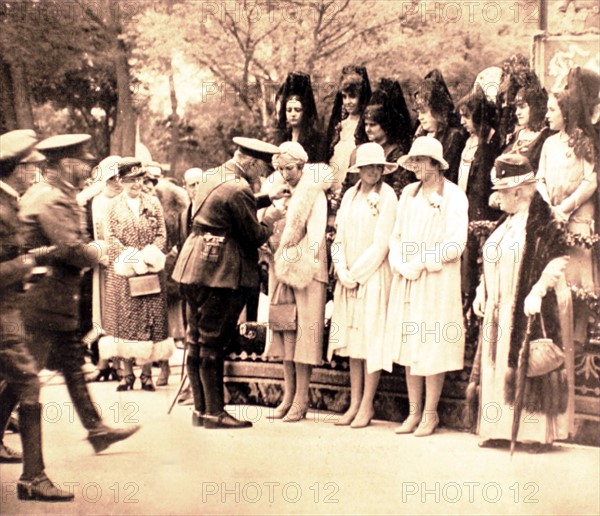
373, 201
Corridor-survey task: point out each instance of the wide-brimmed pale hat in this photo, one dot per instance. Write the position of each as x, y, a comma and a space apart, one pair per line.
106, 169
19, 145
426, 146
371, 154
511, 170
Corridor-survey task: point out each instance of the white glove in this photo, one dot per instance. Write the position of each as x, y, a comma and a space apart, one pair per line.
412, 270
479, 302
346, 279
533, 303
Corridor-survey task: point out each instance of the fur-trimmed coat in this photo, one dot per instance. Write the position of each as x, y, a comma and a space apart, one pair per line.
298, 241
544, 241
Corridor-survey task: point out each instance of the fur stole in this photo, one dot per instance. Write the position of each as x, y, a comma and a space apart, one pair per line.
296, 262
544, 241
173, 200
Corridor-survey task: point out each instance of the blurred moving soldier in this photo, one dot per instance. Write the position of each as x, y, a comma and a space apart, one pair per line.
52, 217
17, 366
217, 269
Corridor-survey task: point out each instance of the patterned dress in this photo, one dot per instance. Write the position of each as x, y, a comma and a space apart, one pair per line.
134, 321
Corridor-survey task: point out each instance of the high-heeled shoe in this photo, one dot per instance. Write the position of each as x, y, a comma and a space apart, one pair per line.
280, 411
408, 426
147, 384
126, 383
361, 421
102, 375
295, 414
427, 425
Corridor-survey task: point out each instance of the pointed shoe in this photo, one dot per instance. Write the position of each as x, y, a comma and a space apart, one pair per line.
102, 437
408, 426
9, 456
427, 426
295, 414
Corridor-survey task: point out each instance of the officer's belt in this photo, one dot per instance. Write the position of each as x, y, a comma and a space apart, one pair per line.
201, 229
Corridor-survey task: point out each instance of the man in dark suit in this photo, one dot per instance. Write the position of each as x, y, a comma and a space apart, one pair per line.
51, 216
217, 269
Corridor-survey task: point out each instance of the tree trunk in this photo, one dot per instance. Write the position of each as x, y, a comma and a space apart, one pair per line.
8, 117
21, 96
123, 137
174, 147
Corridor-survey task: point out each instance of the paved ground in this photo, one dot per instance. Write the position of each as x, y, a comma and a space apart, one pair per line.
311, 467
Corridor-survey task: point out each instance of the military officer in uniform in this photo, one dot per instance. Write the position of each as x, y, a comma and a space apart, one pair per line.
217, 270
17, 367
51, 216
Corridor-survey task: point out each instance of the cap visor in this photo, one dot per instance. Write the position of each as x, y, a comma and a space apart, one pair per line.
33, 157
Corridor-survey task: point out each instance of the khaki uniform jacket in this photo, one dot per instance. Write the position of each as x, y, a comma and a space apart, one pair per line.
229, 211
51, 216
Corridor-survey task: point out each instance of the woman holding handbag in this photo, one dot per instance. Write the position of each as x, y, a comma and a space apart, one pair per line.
524, 260
136, 317
298, 278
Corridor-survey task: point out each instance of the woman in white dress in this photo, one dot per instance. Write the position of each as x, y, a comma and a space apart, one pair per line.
424, 326
567, 180
364, 225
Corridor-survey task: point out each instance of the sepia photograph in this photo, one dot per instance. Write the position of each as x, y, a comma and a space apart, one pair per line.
299, 257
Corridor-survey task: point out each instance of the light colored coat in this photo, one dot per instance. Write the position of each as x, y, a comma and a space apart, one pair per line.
361, 246
300, 261
424, 327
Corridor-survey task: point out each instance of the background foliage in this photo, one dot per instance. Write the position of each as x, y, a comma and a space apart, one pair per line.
191, 74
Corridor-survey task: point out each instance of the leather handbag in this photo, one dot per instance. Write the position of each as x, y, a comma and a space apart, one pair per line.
282, 311
144, 285
544, 355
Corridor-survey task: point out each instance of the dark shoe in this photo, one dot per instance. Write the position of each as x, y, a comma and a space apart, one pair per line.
197, 418
42, 489
224, 420
126, 383
147, 384
8, 455
163, 377
102, 437
102, 375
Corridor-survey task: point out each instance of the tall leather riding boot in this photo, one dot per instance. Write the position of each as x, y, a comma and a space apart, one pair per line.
8, 402
80, 395
34, 484
100, 436
211, 374
193, 372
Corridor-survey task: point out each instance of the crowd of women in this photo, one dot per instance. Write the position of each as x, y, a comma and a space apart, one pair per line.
407, 270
